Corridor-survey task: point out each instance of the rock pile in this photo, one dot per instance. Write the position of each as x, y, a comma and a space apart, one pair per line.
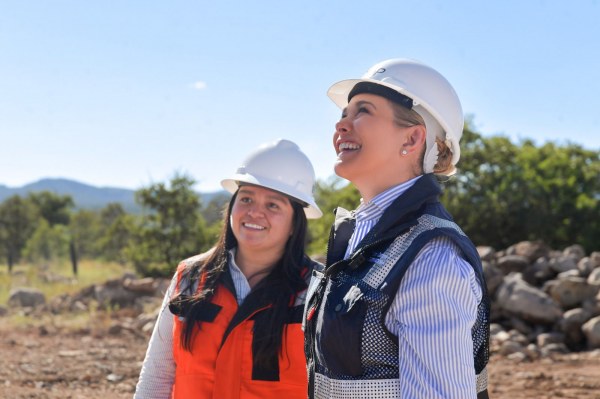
543, 301
133, 301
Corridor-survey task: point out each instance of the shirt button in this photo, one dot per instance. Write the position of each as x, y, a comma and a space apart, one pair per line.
338, 307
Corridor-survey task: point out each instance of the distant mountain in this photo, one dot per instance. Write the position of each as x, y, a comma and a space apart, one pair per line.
86, 196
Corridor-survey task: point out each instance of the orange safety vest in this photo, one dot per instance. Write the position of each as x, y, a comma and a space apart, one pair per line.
221, 365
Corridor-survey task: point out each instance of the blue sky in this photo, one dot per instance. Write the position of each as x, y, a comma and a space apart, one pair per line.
126, 93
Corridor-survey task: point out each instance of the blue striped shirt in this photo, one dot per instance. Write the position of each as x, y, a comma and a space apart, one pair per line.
432, 314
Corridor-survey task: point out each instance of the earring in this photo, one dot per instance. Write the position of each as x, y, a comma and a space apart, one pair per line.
404, 152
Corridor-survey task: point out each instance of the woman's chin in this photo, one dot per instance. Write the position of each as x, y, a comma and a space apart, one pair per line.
342, 169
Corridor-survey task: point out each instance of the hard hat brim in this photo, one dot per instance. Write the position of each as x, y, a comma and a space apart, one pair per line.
311, 210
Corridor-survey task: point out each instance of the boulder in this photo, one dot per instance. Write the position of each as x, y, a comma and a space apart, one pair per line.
512, 263
112, 293
563, 263
591, 329
592, 305
549, 350
570, 292
143, 286
538, 272
571, 324
575, 251
26, 297
517, 298
487, 254
546, 339
594, 277
493, 277
586, 266
531, 250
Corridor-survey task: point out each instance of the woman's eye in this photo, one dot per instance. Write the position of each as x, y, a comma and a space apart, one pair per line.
245, 200
273, 205
362, 109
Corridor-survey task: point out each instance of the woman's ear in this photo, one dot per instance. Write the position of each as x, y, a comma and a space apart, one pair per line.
414, 139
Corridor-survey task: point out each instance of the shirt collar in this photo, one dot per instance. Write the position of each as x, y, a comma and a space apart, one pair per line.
378, 204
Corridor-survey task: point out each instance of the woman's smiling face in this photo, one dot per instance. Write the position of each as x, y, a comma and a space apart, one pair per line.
367, 140
261, 219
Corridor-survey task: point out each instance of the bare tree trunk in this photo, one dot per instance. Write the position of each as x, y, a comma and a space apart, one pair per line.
10, 259
73, 253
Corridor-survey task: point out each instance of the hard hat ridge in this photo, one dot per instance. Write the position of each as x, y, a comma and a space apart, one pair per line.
279, 165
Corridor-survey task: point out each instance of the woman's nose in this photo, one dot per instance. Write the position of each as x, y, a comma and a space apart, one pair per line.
255, 210
342, 125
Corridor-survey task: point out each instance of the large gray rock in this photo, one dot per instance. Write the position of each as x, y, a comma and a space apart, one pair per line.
538, 272
26, 297
591, 329
594, 277
575, 251
113, 293
595, 257
546, 339
592, 305
493, 277
563, 263
571, 324
517, 298
586, 266
487, 254
512, 263
531, 250
570, 292
143, 286
568, 273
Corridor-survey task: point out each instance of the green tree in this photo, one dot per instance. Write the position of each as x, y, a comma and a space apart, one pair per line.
84, 227
477, 196
17, 223
47, 242
116, 232
52, 207
505, 193
213, 211
172, 230
329, 195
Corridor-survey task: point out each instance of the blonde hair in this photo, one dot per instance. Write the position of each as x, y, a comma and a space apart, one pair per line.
405, 117
444, 159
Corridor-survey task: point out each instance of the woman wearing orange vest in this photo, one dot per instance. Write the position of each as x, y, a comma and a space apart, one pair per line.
230, 324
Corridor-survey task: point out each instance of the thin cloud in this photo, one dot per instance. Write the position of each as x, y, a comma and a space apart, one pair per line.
199, 85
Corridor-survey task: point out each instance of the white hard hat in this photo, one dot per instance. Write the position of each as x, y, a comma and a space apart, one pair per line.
432, 97
281, 166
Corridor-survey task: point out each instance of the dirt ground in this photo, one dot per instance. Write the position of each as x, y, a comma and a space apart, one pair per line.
36, 362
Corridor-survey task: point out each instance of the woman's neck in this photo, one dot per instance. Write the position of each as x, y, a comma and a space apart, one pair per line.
371, 189
255, 265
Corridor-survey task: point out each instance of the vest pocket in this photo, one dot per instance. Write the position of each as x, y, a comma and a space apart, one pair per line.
340, 330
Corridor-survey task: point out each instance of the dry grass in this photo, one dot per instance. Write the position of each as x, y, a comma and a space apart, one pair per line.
56, 278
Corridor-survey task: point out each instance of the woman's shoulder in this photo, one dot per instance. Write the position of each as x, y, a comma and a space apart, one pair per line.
193, 260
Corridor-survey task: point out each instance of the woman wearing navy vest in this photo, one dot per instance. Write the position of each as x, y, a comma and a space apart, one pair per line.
401, 309
230, 324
